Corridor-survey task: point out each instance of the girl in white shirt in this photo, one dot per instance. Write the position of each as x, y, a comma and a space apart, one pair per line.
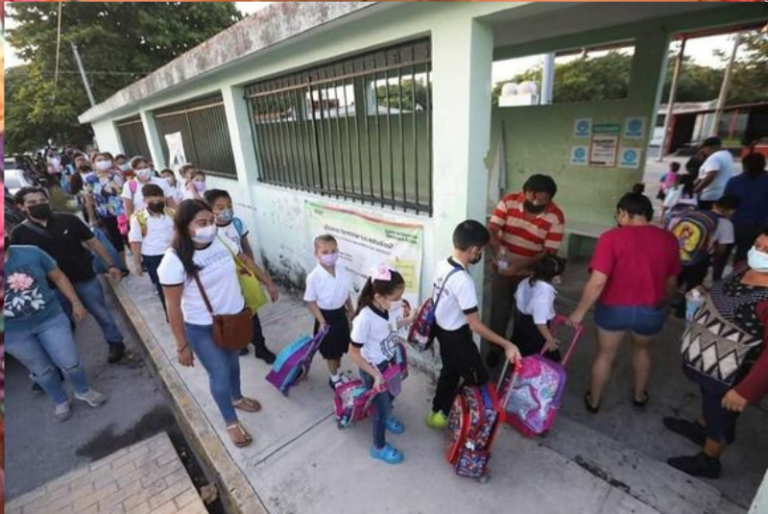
374, 344
197, 250
535, 299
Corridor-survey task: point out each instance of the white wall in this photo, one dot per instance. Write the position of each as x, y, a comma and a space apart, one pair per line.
107, 137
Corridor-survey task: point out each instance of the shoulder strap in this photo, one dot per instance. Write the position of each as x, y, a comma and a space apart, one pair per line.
133, 186
442, 286
203, 294
36, 229
238, 226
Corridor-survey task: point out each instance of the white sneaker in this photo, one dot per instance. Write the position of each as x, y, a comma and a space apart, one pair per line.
62, 411
92, 398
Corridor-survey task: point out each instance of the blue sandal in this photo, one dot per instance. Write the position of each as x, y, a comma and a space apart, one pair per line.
395, 426
387, 454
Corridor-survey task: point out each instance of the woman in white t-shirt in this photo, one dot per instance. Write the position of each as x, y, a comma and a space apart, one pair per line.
197, 250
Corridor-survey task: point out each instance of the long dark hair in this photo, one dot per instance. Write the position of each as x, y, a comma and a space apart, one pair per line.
182, 239
548, 268
378, 287
688, 183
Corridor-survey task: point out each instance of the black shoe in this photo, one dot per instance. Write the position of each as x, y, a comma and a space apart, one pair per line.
116, 352
263, 353
493, 359
244, 351
700, 465
691, 430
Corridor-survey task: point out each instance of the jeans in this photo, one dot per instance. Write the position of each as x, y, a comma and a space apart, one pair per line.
44, 348
382, 404
258, 333
223, 367
91, 294
642, 320
150, 263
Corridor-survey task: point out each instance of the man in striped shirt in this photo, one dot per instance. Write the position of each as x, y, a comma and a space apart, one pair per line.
524, 227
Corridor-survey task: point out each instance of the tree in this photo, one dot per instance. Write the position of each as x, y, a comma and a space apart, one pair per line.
389, 94
119, 43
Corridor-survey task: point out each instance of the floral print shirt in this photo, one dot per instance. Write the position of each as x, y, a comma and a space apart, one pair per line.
29, 300
106, 191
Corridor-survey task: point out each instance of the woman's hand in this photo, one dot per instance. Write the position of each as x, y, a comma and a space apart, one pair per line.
186, 357
575, 319
734, 402
78, 311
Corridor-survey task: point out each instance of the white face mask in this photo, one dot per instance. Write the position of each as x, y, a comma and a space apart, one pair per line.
757, 260
144, 174
103, 165
125, 167
205, 235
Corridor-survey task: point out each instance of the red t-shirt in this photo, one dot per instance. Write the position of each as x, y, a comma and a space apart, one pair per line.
638, 260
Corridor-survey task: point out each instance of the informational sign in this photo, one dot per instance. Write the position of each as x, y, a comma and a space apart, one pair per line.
579, 155
582, 127
602, 150
365, 242
176, 155
634, 128
606, 128
629, 158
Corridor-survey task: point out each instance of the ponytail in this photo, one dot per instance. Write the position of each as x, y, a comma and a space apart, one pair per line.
379, 286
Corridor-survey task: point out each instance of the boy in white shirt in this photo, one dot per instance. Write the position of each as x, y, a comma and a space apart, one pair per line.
151, 234
457, 317
328, 299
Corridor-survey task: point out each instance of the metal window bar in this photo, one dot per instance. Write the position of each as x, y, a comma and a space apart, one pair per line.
132, 136
300, 142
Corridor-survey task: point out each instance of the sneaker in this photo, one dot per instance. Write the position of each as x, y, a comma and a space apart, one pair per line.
243, 351
116, 352
92, 398
437, 420
388, 454
701, 465
62, 412
263, 353
395, 426
691, 430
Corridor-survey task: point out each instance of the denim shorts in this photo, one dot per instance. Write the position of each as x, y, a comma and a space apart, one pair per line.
645, 321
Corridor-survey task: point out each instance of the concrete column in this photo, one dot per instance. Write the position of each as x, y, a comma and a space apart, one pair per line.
236, 110
462, 54
153, 140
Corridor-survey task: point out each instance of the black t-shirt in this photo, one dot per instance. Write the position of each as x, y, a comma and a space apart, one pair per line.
64, 238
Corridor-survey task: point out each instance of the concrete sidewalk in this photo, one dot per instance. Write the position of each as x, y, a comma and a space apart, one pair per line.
300, 461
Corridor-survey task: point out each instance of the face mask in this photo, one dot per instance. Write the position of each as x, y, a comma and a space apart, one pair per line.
205, 235
103, 165
144, 174
156, 207
757, 260
171, 181
533, 208
200, 186
125, 167
329, 259
226, 215
41, 211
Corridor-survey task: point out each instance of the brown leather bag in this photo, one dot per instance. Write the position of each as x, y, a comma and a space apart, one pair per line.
230, 331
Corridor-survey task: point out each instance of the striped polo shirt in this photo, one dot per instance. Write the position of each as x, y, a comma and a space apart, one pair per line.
528, 237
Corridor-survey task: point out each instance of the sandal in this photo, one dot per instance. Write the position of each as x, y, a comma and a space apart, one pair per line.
239, 436
641, 403
588, 404
247, 404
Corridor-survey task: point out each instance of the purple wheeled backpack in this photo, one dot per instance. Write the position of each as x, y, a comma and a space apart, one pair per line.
293, 362
352, 402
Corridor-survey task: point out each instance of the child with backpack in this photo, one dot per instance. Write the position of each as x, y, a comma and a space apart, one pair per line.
535, 300
233, 232
328, 299
151, 234
679, 199
457, 318
669, 179
374, 345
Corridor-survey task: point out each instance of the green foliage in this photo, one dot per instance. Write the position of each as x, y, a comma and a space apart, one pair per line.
119, 43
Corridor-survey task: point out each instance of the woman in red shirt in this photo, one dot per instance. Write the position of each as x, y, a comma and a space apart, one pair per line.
634, 273
741, 299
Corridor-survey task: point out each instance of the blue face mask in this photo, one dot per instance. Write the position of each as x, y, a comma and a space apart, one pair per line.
757, 260
226, 215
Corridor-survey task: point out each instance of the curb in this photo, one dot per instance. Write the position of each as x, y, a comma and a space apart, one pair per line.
236, 493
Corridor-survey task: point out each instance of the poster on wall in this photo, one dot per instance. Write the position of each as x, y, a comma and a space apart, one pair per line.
603, 149
630, 158
366, 241
582, 127
579, 155
634, 128
176, 155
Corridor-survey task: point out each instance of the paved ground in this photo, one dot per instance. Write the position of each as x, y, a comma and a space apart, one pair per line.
300, 461
147, 477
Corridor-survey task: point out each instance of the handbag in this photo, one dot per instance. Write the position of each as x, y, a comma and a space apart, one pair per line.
255, 297
230, 331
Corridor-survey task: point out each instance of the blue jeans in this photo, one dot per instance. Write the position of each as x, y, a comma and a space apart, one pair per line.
382, 404
644, 321
223, 367
44, 348
151, 263
91, 294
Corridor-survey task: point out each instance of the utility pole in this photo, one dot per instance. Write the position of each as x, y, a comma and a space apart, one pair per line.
547, 79
83, 75
671, 101
725, 85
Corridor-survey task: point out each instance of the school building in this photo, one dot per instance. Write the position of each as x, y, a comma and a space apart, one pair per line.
386, 108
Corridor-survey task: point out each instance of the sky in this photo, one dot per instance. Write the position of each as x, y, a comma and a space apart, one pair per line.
700, 50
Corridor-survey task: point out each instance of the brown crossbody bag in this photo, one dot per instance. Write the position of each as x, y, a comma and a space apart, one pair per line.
230, 331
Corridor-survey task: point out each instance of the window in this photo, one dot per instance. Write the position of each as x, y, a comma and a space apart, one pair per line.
204, 133
359, 128
133, 137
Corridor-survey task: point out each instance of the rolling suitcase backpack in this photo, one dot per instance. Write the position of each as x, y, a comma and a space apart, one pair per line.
293, 362
531, 393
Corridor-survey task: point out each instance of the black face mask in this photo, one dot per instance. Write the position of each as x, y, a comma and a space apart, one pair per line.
534, 209
41, 211
156, 207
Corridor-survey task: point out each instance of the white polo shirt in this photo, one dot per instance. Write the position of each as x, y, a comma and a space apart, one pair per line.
537, 300
330, 292
138, 196
158, 237
459, 297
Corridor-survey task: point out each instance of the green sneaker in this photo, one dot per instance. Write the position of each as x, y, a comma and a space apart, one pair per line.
437, 420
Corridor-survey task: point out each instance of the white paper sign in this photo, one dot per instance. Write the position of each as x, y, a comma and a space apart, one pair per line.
579, 155
630, 158
582, 127
634, 128
602, 151
176, 155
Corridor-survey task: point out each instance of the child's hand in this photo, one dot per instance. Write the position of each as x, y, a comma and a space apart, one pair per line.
551, 345
512, 352
378, 382
273, 293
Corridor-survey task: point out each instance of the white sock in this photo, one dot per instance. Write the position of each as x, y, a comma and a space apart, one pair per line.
336, 377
